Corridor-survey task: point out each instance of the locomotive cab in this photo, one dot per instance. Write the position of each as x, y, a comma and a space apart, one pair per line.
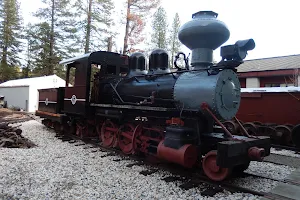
98, 64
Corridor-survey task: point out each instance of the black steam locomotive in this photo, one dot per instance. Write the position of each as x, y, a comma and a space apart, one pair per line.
173, 115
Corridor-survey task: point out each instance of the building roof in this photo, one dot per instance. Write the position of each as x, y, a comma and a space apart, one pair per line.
271, 89
36, 81
273, 63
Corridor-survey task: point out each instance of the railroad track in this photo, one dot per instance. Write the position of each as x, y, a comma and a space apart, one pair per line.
188, 178
291, 148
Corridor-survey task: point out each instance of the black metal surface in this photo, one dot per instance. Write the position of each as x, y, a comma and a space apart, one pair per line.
233, 152
177, 136
147, 91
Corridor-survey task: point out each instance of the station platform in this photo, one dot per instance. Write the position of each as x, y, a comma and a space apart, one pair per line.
290, 190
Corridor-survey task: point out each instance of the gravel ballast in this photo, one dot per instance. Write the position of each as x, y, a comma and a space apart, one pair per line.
60, 170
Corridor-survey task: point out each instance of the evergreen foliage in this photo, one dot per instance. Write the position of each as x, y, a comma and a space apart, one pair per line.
54, 38
173, 39
10, 39
95, 23
160, 27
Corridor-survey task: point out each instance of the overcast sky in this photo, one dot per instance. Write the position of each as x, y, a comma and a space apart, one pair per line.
273, 24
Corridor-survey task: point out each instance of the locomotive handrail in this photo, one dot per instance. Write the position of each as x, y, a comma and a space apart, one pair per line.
215, 67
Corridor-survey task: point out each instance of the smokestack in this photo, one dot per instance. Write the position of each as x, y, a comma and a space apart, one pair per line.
203, 34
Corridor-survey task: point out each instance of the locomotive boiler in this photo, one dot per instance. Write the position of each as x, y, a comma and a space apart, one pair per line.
144, 107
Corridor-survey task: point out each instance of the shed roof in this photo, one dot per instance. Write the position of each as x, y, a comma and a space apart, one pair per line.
29, 81
271, 89
273, 63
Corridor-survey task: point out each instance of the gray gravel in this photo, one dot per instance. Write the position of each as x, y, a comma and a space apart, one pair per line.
285, 153
60, 170
293, 162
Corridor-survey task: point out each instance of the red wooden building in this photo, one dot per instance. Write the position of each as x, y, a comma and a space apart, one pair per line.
270, 72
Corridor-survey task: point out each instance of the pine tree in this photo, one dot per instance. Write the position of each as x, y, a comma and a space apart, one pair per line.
10, 38
136, 10
159, 27
173, 39
96, 24
26, 72
39, 38
56, 35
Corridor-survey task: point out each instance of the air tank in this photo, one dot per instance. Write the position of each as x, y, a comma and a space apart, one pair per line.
203, 34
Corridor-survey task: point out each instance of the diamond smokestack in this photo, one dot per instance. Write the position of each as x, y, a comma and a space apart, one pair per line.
203, 34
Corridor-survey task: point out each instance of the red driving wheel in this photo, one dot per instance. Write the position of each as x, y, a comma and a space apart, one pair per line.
80, 130
98, 129
126, 133
210, 168
136, 142
108, 134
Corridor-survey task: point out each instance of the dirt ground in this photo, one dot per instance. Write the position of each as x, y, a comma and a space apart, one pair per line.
10, 114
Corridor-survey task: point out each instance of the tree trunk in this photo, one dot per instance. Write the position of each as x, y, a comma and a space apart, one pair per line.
127, 28
4, 56
109, 44
5, 44
88, 28
51, 67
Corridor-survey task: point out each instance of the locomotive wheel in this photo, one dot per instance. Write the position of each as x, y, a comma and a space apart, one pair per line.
210, 168
126, 133
285, 134
257, 123
290, 126
251, 128
58, 127
80, 130
98, 130
231, 127
296, 135
135, 141
268, 131
143, 136
109, 134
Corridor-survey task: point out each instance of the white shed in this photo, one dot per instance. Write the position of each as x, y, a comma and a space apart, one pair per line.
23, 93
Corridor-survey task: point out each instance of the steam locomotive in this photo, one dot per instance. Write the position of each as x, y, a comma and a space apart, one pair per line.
173, 115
